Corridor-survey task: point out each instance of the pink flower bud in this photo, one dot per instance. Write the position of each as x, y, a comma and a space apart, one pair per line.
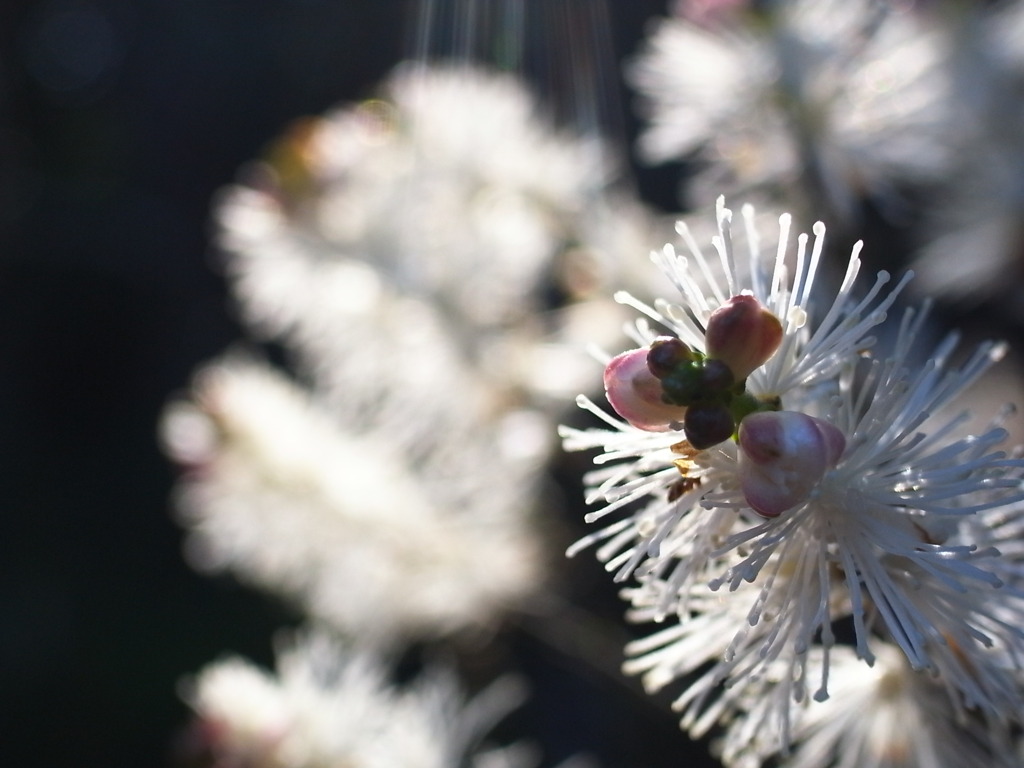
783, 457
635, 393
742, 334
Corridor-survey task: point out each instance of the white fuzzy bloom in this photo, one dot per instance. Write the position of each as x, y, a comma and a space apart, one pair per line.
754, 685
855, 92
744, 662
884, 533
398, 250
352, 522
325, 707
451, 188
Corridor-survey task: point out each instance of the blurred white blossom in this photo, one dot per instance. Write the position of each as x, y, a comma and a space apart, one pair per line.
402, 250
325, 706
455, 190
889, 716
787, 482
767, 96
358, 524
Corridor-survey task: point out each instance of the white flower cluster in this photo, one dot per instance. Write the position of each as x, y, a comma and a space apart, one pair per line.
839, 518
398, 249
852, 93
451, 189
785, 485
326, 708
400, 252
294, 501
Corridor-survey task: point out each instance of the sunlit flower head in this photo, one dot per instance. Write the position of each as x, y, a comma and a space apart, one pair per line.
843, 492
746, 667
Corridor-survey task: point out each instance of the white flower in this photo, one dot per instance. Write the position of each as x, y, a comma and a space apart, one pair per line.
327, 707
877, 529
852, 92
755, 686
365, 533
399, 250
451, 188
739, 655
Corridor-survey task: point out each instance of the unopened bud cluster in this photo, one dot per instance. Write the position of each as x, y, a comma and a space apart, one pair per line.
669, 386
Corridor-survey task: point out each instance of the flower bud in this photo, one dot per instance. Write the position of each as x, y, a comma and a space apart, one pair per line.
666, 354
715, 378
783, 457
685, 385
636, 395
707, 425
696, 381
742, 334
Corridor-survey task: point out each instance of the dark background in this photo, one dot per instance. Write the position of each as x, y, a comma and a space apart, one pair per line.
119, 120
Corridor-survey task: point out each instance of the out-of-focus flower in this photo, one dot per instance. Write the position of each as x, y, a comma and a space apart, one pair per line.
842, 497
401, 250
357, 524
852, 93
971, 242
326, 707
453, 189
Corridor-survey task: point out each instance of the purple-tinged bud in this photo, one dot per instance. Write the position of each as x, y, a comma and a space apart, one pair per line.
636, 395
666, 354
783, 457
742, 334
707, 425
715, 377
